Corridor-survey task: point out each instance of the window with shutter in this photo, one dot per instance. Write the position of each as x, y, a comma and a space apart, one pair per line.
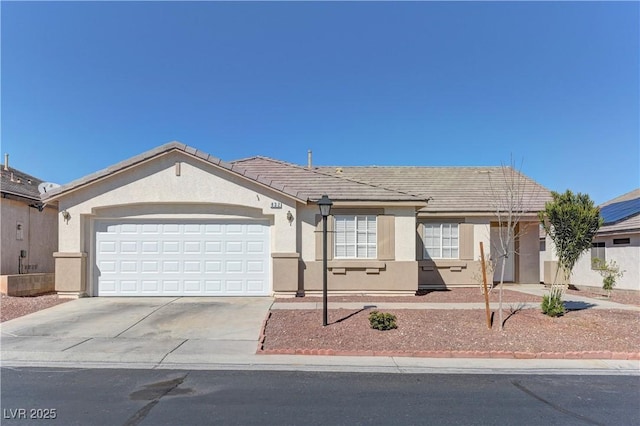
441, 241
355, 237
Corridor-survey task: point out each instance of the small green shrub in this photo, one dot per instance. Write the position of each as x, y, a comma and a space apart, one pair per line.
610, 272
382, 321
552, 304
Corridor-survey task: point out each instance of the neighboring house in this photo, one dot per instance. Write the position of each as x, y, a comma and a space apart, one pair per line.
617, 240
177, 221
29, 228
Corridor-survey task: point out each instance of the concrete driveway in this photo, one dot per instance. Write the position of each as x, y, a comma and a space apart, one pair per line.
138, 330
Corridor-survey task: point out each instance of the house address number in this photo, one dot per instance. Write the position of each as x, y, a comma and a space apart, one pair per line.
276, 205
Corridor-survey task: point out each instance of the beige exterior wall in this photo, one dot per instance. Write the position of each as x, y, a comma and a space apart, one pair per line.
445, 273
405, 226
38, 236
627, 256
362, 276
286, 272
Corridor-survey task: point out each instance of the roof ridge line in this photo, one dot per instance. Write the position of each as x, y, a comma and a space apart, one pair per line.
316, 170
367, 183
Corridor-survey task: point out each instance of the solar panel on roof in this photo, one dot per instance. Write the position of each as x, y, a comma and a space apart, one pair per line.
618, 211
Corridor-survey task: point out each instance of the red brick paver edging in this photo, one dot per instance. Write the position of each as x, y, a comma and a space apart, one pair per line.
455, 354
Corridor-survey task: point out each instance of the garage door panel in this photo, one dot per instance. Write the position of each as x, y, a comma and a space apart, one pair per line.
213, 247
150, 247
169, 286
129, 286
128, 247
150, 286
128, 266
107, 266
233, 247
190, 258
234, 286
254, 286
170, 247
170, 228
212, 267
193, 286
192, 247
255, 267
170, 266
108, 286
107, 247
191, 267
149, 266
213, 286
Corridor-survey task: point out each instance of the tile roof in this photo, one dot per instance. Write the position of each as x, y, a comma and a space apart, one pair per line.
448, 189
18, 183
310, 184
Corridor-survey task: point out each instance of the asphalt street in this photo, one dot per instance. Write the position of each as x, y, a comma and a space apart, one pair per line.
195, 397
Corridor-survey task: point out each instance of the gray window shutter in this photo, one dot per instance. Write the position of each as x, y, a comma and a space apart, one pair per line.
386, 237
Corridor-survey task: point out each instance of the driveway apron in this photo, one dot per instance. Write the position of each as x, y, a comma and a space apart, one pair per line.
138, 330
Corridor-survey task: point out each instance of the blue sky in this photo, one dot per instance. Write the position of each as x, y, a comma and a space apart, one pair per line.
555, 84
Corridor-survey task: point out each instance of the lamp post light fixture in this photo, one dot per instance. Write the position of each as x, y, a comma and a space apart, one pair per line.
325, 209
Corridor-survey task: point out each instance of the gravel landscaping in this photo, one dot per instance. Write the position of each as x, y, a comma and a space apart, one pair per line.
457, 331
14, 307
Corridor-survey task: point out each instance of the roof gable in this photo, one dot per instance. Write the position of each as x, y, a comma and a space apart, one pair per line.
139, 160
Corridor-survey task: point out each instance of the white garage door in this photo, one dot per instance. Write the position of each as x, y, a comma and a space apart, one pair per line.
182, 258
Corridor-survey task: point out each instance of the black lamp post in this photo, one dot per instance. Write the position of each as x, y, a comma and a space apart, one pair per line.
325, 208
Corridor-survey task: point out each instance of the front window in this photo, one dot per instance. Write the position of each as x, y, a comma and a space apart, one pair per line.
441, 240
355, 237
597, 255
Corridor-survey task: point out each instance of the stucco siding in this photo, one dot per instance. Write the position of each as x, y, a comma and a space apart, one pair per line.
405, 224
38, 236
627, 257
370, 277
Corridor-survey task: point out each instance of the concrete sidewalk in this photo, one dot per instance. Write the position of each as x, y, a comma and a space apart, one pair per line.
171, 333
572, 301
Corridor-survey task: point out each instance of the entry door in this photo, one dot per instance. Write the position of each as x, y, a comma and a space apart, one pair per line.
509, 271
182, 258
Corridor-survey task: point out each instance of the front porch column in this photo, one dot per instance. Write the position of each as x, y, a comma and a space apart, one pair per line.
71, 272
285, 272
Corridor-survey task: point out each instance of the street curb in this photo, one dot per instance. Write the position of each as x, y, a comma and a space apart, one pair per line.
629, 356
